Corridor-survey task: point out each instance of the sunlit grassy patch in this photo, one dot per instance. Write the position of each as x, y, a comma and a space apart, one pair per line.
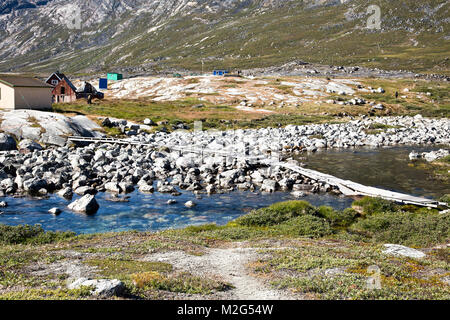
181, 283
47, 294
123, 269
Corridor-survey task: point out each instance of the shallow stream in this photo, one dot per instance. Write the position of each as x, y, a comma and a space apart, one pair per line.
386, 168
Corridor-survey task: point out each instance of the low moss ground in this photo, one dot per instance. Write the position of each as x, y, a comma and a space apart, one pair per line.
309, 252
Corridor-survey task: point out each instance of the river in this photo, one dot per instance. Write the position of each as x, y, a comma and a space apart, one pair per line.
384, 167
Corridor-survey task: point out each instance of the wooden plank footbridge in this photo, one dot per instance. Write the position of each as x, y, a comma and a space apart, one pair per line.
348, 188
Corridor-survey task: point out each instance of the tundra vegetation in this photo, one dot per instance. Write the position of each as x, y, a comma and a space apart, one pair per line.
306, 251
428, 98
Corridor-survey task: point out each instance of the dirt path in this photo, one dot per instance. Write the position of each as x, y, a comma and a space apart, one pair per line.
228, 264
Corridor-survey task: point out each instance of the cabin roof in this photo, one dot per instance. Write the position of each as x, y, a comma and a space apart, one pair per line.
59, 75
17, 81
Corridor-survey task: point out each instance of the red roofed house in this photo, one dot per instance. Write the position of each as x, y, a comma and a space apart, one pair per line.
64, 91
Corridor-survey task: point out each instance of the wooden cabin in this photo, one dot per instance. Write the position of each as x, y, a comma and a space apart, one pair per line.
64, 91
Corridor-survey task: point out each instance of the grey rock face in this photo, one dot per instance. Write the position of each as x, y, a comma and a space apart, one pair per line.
47, 127
399, 250
102, 287
7, 142
28, 145
146, 188
34, 185
112, 187
81, 191
66, 193
166, 189
429, 156
269, 185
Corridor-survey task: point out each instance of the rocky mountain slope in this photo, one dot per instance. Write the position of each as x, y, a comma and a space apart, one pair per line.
143, 36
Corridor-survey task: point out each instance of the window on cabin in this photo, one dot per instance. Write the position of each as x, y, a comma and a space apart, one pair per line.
63, 90
55, 82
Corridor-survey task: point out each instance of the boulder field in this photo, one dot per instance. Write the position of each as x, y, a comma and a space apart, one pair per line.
116, 168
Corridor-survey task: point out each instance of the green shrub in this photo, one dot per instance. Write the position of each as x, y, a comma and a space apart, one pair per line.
407, 228
201, 228
236, 233
445, 159
276, 213
122, 269
370, 205
446, 199
47, 294
26, 234
338, 218
307, 226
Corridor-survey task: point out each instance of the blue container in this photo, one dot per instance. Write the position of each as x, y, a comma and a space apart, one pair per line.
103, 84
220, 72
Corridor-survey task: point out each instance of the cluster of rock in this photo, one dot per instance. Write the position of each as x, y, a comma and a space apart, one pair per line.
354, 101
397, 131
429, 156
117, 169
301, 68
127, 127
132, 129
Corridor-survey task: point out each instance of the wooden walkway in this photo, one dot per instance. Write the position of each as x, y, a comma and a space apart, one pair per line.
348, 188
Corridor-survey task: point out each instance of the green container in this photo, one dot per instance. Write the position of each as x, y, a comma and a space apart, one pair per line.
115, 76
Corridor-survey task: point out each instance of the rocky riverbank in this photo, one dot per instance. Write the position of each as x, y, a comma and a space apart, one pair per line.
114, 168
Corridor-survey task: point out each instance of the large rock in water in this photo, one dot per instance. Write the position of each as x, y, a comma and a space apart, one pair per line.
87, 204
7, 143
269, 186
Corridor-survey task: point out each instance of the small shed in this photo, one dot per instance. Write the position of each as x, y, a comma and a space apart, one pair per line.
18, 92
220, 72
103, 84
115, 76
64, 91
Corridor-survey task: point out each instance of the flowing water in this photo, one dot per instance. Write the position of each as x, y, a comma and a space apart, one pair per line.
149, 212
387, 168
